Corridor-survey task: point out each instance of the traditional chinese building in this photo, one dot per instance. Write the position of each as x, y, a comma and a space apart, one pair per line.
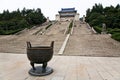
67, 14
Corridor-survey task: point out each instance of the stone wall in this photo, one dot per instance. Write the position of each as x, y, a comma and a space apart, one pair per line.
66, 18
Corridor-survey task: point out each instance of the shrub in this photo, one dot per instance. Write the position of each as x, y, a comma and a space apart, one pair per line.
112, 31
48, 26
98, 29
116, 36
70, 26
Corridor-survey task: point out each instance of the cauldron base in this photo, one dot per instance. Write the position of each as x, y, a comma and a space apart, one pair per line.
40, 72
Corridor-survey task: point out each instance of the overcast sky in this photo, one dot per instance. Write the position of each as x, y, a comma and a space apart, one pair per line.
51, 7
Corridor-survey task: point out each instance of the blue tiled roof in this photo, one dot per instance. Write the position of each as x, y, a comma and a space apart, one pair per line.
67, 10
64, 9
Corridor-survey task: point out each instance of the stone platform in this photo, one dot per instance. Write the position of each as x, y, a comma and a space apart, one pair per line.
16, 67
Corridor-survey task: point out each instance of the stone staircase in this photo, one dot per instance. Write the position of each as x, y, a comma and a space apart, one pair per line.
17, 43
84, 43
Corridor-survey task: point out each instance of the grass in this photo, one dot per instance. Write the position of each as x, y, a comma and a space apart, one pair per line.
37, 31
8, 32
98, 29
70, 27
115, 33
116, 36
48, 26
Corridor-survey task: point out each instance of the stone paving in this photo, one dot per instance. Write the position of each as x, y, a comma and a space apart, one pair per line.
16, 67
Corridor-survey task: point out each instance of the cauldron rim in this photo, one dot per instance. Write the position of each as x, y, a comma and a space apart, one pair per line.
40, 47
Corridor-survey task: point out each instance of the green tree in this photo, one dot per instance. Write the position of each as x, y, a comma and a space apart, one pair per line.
108, 15
11, 22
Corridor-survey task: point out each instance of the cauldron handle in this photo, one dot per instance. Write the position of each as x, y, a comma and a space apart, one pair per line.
29, 45
52, 44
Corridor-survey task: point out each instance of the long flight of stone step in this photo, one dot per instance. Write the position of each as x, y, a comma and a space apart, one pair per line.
84, 43
56, 33
17, 43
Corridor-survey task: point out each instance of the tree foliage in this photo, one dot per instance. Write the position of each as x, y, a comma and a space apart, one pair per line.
11, 22
108, 15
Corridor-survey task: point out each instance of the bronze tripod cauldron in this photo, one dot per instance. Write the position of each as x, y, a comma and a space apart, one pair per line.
40, 55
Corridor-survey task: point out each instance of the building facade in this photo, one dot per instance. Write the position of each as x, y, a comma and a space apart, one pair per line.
67, 14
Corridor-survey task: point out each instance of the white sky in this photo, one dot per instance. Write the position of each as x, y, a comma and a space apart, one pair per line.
51, 7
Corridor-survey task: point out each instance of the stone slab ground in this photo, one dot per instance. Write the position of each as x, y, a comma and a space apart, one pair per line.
16, 67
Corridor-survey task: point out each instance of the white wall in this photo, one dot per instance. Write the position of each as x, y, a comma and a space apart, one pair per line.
57, 17
77, 17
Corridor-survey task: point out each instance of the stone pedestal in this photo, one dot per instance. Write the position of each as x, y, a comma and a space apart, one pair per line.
40, 72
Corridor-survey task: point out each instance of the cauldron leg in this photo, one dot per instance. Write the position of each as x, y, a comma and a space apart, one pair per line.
44, 66
32, 64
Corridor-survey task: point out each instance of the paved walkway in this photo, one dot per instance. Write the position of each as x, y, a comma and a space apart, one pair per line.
16, 66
